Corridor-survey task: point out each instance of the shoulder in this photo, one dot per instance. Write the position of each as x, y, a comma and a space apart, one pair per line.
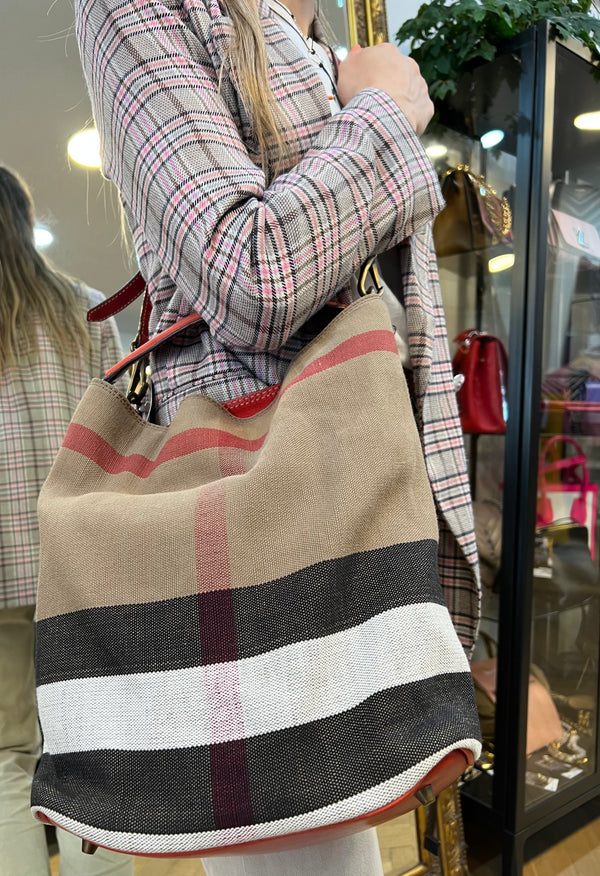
91, 297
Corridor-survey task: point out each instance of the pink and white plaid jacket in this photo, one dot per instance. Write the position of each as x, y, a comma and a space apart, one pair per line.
37, 400
257, 256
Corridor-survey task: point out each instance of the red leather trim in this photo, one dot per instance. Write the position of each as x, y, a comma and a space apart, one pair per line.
145, 320
113, 373
450, 768
119, 301
253, 403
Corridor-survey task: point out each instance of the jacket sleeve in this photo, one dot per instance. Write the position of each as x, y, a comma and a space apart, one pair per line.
256, 258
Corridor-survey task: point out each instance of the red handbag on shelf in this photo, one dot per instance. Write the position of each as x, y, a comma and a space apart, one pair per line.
482, 360
564, 488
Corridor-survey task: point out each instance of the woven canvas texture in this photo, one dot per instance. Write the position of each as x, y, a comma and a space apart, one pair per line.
240, 628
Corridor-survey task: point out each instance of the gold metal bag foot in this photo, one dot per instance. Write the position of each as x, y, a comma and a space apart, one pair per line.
425, 796
87, 847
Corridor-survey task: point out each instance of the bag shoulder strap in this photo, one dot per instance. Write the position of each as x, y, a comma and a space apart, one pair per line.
142, 345
119, 301
147, 347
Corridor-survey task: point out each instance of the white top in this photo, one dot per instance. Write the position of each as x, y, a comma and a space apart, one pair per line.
314, 51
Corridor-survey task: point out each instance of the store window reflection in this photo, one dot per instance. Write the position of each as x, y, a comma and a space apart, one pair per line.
566, 616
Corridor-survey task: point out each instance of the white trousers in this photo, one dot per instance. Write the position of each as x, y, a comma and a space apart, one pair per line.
356, 855
23, 849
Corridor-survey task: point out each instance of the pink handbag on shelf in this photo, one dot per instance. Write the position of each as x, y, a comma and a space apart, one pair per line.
572, 496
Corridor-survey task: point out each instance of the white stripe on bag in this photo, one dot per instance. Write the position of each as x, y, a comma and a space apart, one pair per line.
286, 687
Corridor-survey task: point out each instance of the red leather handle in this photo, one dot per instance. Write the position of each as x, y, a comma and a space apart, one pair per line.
119, 301
115, 372
567, 462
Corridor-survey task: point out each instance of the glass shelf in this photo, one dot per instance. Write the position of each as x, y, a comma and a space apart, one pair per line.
554, 279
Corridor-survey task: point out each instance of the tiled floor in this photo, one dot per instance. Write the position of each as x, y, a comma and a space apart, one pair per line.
569, 847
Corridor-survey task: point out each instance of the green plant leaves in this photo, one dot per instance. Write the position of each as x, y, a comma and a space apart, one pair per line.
446, 38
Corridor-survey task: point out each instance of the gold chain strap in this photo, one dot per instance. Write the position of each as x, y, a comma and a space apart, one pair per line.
502, 224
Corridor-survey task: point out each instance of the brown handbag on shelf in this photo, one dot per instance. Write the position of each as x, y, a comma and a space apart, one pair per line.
543, 721
482, 360
474, 217
487, 515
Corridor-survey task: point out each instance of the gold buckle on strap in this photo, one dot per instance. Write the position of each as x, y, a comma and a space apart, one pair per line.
369, 269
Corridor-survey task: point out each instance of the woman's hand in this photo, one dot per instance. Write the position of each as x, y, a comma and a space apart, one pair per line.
383, 66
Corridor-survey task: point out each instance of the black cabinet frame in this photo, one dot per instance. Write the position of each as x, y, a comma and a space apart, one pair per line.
500, 803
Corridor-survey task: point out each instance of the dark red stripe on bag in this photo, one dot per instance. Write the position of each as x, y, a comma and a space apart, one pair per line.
88, 443
218, 645
378, 340
230, 784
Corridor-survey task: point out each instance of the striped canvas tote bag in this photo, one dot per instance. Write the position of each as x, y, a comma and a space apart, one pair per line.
242, 641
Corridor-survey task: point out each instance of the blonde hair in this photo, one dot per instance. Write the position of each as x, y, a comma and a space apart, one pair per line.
250, 69
32, 292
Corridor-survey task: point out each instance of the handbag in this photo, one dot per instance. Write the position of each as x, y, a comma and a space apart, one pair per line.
543, 721
474, 217
482, 361
571, 399
487, 515
564, 572
572, 498
236, 613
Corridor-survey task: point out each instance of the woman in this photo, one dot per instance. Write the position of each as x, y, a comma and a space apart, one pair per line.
257, 175
48, 355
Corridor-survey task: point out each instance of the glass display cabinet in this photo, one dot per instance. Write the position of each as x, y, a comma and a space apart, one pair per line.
525, 269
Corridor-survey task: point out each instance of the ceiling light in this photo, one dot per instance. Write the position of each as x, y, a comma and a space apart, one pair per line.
42, 236
84, 148
588, 121
501, 263
491, 138
437, 150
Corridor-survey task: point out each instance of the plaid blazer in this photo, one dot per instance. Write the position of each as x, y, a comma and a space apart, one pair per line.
37, 400
258, 255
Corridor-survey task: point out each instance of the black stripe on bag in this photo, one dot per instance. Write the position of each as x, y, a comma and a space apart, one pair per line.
290, 771
317, 601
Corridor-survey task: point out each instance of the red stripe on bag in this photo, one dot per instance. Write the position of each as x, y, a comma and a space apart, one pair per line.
378, 340
91, 445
